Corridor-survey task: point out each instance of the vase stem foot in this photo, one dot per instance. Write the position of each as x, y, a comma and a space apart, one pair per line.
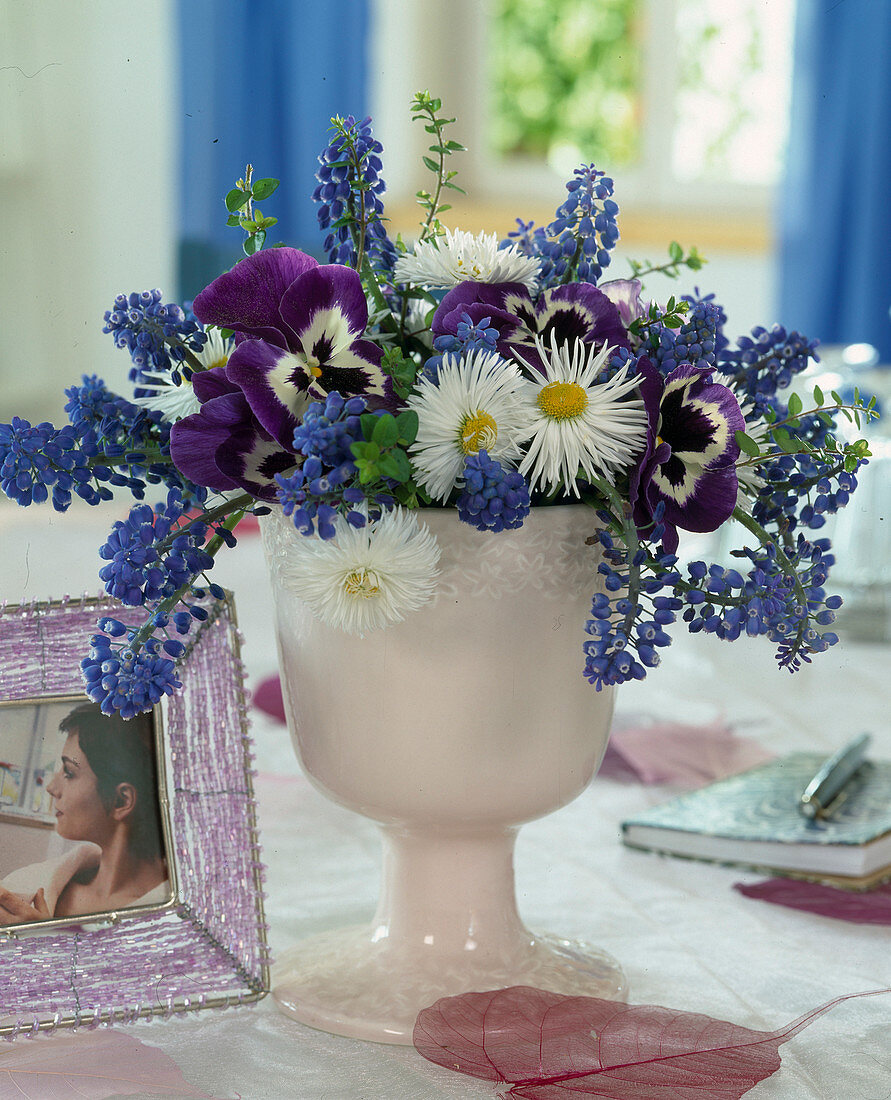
345, 983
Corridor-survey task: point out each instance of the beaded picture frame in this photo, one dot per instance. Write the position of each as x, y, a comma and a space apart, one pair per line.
206, 947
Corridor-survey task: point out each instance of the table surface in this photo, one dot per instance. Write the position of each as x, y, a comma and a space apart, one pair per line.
685, 937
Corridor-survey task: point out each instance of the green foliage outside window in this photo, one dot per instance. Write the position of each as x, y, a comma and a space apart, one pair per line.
565, 78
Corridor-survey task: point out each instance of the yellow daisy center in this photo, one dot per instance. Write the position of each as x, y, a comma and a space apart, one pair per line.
477, 430
562, 400
362, 583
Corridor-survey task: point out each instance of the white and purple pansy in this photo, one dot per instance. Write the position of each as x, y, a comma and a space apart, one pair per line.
691, 451
222, 446
298, 328
577, 311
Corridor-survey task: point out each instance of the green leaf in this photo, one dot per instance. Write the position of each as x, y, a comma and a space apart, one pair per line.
395, 464
431, 164
407, 423
795, 405
385, 431
785, 441
747, 444
263, 188
253, 243
368, 421
675, 252
235, 200
818, 395
233, 219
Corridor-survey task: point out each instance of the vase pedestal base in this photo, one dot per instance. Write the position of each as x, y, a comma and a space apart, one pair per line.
346, 983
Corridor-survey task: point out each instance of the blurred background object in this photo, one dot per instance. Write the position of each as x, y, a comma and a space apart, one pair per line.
123, 126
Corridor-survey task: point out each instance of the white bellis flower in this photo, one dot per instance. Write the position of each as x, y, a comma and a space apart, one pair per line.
578, 423
459, 256
366, 578
475, 403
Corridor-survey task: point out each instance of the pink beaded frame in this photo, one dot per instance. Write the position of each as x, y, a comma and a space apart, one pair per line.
206, 949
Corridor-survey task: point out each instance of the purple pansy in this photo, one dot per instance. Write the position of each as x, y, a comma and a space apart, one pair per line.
689, 462
222, 445
298, 328
575, 311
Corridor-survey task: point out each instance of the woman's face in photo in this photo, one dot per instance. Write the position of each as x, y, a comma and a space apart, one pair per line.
79, 812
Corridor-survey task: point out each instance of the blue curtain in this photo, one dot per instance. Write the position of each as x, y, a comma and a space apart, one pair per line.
835, 219
260, 82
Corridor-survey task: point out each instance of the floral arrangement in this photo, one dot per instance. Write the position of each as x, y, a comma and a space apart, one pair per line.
462, 372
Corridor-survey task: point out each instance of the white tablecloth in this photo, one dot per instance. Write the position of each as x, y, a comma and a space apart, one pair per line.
687, 940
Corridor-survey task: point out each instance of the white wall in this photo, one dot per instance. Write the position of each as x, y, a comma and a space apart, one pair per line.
88, 105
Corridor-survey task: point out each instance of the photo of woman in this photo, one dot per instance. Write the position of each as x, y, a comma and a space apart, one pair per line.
105, 797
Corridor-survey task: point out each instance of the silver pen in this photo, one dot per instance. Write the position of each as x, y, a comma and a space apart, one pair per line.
833, 776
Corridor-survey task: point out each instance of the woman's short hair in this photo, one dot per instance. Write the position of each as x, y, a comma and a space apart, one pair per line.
122, 751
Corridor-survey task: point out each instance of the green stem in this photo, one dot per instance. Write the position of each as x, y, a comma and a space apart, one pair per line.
427, 225
232, 510
670, 268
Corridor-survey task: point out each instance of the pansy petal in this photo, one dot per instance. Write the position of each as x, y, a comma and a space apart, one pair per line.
325, 304
700, 418
275, 382
625, 296
580, 311
485, 300
195, 439
689, 461
247, 298
456, 301
252, 463
354, 370
208, 384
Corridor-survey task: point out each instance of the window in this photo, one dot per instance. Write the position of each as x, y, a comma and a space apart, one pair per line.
683, 102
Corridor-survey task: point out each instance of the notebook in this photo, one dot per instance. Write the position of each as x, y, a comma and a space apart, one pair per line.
752, 820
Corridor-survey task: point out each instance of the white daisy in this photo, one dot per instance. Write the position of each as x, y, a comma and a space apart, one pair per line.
176, 400
365, 578
578, 422
459, 256
475, 403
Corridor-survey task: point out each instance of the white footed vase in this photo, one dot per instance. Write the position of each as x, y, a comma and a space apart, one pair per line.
450, 729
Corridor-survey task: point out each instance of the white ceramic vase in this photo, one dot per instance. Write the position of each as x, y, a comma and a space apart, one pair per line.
450, 729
